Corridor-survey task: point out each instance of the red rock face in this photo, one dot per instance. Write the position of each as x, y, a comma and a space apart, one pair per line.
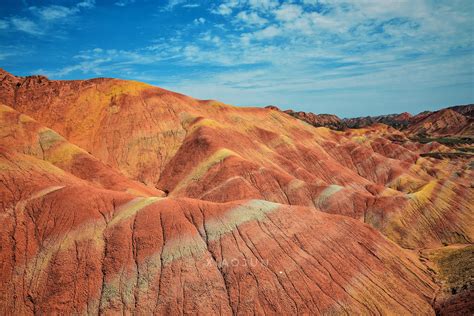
317, 120
442, 123
120, 197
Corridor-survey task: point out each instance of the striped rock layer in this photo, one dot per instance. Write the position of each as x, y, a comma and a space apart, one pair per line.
120, 197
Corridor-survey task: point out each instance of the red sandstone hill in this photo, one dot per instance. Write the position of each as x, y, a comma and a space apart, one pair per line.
452, 121
446, 122
121, 197
317, 120
399, 121
466, 110
327, 120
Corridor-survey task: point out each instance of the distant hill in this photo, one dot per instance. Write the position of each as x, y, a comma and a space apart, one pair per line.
453, 121
446, 122
328, 120
399, 121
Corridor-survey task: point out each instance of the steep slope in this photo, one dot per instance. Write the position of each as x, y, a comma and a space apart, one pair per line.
71, 248
21, 133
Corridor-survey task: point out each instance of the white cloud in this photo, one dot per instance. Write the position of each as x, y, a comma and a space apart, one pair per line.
172, 4
222, 9
191, 5
191, 52
88, 4
263, 4
53, 12
288, 12
208, 37
267, 33
43, 19
251, 18
181, 3
226, 7
7, 54
25, 25
325, 22
199, 21
123, 3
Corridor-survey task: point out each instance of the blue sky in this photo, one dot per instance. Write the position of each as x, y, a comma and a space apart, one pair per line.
347, 57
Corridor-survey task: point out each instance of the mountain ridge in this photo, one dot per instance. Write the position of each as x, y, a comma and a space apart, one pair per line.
402, 121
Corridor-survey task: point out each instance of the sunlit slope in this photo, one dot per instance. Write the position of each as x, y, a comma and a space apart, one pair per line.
216, 152
23, 134
69, 247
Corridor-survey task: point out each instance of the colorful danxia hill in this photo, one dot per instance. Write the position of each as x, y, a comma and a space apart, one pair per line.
118, 197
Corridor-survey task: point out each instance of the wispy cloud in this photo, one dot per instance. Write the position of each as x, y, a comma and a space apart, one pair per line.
53, 12
191, 5
3, 25
251, 18
175, 3
41, 20
123, 3
25, 25
199, 21
87, 4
